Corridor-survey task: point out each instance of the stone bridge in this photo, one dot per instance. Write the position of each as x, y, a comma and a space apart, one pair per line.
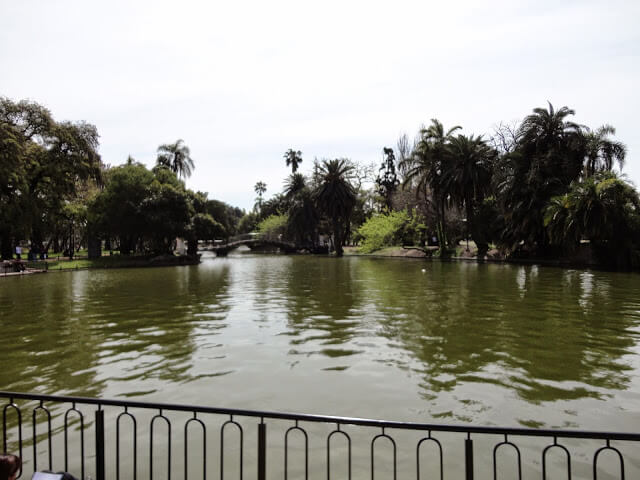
252, 240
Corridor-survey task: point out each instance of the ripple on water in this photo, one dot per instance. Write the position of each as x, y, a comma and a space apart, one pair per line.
499, 344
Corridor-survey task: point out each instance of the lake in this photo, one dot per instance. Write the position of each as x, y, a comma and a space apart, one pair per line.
395, 339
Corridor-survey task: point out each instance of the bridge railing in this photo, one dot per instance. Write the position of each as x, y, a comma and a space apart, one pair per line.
99, 438
264, 237
243, 237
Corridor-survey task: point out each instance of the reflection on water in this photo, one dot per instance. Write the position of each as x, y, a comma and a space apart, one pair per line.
491, 344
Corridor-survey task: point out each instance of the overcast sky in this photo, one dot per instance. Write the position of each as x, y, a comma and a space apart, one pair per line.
241, 82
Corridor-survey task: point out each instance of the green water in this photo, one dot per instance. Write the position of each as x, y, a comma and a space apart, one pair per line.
383, 338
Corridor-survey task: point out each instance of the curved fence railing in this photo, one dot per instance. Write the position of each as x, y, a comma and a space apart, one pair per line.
99, 438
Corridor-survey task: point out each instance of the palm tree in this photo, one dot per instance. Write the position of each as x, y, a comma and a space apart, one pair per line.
336, 197
426, 169
176, 157
260, 187
603, 152
554, 145
293, 158
603, 209
294, 184
549, 155
467, 173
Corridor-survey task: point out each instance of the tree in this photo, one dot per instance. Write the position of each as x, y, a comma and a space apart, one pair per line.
248, 223
276, 205
603, 209
260, 188
167, 213
603, 152
387, 180
176, 157
301, 212
427, 167
116, 212
46, 162
293, 159
293, 185
225, 214
303, 218
336, 197
549, 155
145, 210
467, 176
203, 227
12, 183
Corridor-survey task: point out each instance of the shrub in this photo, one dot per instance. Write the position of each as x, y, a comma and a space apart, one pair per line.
383, 230
274, 225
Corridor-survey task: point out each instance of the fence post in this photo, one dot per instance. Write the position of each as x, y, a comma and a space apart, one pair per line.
100, 445
468, 457
262, 451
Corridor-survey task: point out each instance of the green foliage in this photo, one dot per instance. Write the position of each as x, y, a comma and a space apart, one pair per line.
167, 212
276, 205
385, 230
302, 211
603, 209
467, 177
549, 155
141, 206
248, 223
43, 165
225, 214
206, 228
427, 166
602, 152
274, 225
335, 197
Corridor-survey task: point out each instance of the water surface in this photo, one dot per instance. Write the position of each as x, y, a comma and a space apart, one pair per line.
384, 338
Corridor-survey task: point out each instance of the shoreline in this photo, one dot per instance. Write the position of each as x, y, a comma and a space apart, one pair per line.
397, 252
103, 263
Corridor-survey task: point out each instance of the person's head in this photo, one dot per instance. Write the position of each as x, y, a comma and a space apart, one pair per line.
9, 467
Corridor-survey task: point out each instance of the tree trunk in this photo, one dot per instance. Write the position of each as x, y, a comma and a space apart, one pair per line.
192, 246
6, 246
337, 237
440, 224
94, 245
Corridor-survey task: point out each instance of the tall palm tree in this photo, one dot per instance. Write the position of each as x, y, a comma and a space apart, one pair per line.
260, 187
555, 145
177, 157
603, 152
549, 155
336, 197
426, 169
467, 173
293, 159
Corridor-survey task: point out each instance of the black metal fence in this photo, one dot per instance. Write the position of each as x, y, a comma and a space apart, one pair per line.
99, 439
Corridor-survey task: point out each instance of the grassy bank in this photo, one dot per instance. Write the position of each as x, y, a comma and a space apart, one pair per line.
115, 261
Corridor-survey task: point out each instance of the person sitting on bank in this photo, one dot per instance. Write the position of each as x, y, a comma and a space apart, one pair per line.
9, 467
